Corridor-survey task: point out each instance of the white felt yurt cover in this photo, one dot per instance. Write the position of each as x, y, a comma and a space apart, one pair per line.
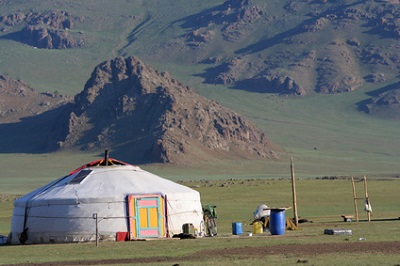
63, 210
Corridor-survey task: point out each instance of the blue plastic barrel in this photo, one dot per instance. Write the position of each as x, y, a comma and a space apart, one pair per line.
277, 222
237, 228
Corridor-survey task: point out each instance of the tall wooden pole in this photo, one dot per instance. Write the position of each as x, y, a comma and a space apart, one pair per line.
355, 198
296, 217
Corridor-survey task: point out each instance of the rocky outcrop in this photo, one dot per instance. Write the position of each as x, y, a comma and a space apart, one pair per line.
136, 109
11, 20
385, 105
40, 37
274, 83
49, 30
18, 100
235, 17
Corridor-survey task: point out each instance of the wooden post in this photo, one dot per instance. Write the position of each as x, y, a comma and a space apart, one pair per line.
296, 217
97, 228
106, 157
366, 197
355, 198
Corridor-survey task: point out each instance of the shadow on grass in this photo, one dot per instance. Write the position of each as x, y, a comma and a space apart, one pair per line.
33, 134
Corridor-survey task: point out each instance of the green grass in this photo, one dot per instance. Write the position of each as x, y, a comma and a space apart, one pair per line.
319, 201
40, 67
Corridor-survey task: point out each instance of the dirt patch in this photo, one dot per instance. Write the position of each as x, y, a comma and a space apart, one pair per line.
310, 249
247, 252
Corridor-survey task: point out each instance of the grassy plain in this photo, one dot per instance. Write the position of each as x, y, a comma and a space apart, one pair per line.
321, 202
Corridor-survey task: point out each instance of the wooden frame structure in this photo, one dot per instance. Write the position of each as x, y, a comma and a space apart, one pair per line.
366, 198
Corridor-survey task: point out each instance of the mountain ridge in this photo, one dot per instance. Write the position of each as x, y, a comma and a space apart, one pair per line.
161, 119
146, 116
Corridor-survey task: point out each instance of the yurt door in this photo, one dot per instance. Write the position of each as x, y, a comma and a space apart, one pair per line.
147, 218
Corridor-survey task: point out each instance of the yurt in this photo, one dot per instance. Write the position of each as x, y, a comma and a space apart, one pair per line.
105, 200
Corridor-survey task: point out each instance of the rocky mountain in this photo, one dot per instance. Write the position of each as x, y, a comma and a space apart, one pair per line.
319, 52
288, 47
152, 117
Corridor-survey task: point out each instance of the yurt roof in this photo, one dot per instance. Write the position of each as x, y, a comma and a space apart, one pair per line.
99, 182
